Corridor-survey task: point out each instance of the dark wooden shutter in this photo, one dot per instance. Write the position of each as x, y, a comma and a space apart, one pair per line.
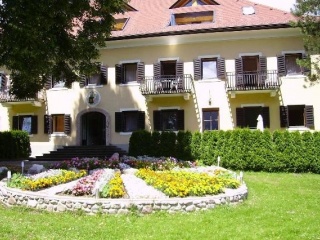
262, 69
157, 120
157, 70
197, 69
104, 74
180, 121
281, 62
284, 117
3, 81
119, 74
239, 71
83, 81
141, 120
47, 124
221, 68
48, 82
240, 117
140, 71
67, 124
118, 122
15, 123
179, 69
34, 124
309, 116
266, 117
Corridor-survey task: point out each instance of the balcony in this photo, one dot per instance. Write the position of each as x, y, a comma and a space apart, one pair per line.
252, 82
165, 85
9, 100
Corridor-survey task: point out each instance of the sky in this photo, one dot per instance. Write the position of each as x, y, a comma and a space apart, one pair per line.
280, 4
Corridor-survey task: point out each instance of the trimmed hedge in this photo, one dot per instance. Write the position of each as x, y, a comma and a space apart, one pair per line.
14, 145
239, 149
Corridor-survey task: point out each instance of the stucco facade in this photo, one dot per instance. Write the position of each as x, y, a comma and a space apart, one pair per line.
211, 94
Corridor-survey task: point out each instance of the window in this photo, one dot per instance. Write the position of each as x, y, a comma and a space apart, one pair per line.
120, 24
57, 123
191, 18
168, 120
129, 72
3, 82
129, 121
98, 78
28, 123
169, 68
210, 119
247, 117
287, 64
209, 68
296, 116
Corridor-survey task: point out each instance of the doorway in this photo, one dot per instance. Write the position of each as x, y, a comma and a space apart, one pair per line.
93, 129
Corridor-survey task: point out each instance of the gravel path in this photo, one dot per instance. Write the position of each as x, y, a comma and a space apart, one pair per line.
137, 188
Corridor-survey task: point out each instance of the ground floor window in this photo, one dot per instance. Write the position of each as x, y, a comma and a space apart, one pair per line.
210, 119
28, 123
168, 120
247, 116
57, 123
297, 116
129, 121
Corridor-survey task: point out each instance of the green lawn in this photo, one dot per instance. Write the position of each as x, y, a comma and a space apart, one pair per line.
279, 206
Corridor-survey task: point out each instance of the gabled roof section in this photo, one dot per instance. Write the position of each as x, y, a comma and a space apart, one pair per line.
189, 3
128, 8
155, 18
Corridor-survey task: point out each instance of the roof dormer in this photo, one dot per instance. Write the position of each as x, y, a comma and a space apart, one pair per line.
190, 3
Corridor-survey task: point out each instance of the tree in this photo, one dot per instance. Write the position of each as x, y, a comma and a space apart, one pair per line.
308, 20
52, 38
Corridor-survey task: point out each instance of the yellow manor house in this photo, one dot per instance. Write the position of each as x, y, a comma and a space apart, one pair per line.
176, 65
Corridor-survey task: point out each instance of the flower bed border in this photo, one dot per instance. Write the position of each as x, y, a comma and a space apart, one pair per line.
55, 203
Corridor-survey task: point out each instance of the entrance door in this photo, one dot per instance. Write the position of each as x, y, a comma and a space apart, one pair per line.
93, 129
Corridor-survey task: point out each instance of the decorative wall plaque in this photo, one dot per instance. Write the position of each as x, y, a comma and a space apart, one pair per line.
93, 98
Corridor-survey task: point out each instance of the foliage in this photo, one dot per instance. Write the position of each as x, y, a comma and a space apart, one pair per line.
183, 145
140, 143
26, 183
52, 38
183, 183
114, 188
14, 145
168, 144
86, 163
307, 13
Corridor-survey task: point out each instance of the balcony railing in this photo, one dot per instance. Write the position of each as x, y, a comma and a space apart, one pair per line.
259, 80
5, 97
166, 84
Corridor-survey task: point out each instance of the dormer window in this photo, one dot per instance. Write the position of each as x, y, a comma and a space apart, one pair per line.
192, 18
120, 24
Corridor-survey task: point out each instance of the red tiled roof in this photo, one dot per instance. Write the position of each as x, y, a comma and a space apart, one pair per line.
153, 16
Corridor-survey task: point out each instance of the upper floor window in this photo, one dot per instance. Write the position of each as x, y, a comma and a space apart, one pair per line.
28, 123
209, 68
129, 72
120, 24
192, 18
287, 64
3, 82
100, 77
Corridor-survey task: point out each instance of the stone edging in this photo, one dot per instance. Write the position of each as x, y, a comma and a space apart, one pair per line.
12, 197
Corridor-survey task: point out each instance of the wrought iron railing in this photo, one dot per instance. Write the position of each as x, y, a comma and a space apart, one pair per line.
259, 80
166, 84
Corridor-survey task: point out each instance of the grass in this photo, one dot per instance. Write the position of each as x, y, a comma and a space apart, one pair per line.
279, 206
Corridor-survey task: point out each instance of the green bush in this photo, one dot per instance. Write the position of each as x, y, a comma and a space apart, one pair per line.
168, 144
155, 150
14, 145
183, 145
140, 143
